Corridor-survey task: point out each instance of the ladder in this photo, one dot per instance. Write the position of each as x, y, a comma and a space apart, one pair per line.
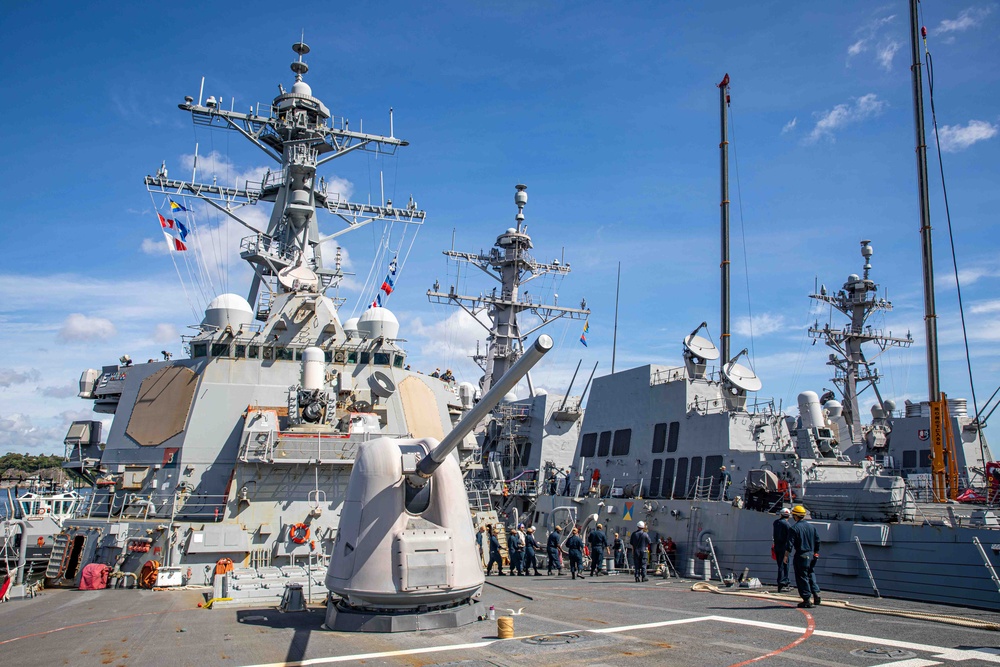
58, 557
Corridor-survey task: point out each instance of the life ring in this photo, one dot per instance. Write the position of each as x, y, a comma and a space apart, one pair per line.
299, 533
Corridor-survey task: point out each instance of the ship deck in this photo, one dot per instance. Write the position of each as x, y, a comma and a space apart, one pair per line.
595, 621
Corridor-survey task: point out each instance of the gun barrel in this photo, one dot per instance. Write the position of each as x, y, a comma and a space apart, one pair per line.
430, 463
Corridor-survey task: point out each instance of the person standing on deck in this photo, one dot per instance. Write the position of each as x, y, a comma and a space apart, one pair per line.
575, 546
553, 550
479, 542
618, 549
598, 543
779, 537
725, 481
515, 550
640, 550
530, 547
805, 540
494, 552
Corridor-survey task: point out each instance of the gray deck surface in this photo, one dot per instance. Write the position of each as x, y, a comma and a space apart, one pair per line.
129, 627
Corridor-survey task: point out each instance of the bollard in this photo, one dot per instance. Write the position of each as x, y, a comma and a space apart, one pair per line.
505, 627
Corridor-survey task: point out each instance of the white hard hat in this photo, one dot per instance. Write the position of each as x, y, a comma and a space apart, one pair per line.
640, 525
785, 511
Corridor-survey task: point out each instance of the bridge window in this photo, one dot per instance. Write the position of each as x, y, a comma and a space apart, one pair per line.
220, 349
675, 428
240, 351
925, 458
253, 351
352, 357
398, 361
605, 445
654, 480
199, 350
366, 358
284, 354
382, 358
680, 485
623, 439
910, 458
667, 490
588, 447
695, 472
659, 438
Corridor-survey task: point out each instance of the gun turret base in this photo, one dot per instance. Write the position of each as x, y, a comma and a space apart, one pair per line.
345, 619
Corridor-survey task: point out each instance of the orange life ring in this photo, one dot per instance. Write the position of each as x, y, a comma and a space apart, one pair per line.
299, 533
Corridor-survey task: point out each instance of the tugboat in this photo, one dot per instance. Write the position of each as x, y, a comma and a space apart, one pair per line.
237, 457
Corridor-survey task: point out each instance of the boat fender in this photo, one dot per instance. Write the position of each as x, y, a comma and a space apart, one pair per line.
299, 533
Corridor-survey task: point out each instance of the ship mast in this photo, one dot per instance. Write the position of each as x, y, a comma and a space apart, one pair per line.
724, 208
510, 264
298, 132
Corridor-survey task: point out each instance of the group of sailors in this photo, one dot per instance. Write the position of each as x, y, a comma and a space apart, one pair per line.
798, 541
522, 549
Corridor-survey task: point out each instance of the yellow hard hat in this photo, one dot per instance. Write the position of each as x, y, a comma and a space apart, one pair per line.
799, 510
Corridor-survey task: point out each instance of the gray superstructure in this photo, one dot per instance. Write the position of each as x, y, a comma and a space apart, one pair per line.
242, 451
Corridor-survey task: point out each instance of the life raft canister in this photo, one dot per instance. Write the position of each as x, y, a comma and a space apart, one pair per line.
299, 533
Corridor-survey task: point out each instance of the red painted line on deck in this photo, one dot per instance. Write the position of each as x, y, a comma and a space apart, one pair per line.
810, 627
82, 625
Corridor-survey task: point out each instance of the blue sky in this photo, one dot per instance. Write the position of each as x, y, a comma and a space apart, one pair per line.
607, 111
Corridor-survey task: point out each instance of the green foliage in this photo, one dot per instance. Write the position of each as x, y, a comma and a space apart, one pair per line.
29, 462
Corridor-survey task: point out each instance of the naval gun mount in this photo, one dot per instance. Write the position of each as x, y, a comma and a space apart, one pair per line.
405, 557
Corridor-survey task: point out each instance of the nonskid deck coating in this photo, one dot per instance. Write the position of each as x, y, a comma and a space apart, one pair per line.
602, 621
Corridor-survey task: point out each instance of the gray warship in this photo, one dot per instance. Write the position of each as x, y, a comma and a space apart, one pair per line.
661, 444
241, 452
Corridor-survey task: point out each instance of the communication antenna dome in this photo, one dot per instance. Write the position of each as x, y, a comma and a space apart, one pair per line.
701, 347
741, 377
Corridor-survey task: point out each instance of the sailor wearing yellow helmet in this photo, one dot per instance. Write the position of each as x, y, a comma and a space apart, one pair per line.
802, 536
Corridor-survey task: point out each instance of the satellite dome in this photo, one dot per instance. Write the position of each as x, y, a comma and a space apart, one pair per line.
889, 405
853, 278
301, 88
351, 326
510, 397
511, 230
230, 310
541, 392
834, 408
376, 322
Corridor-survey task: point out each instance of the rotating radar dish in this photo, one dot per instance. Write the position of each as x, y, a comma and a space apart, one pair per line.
741, 377
701, 347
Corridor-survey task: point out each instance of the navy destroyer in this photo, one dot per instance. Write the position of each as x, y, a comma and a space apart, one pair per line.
240, 453
662, 444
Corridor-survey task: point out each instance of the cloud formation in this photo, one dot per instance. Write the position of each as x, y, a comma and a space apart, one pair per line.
79, 327
861, 108
955, 138
966, 19
9, 377
760, 325
872, 37
166, 333
790, 125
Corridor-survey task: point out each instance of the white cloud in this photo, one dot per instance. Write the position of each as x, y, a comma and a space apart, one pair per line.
790, 125
885, 54
992, 306
955, 138
974, 274
761, 325
62, 391
79, 327
155, 246
859, 109
967, 18
10, 377
18, 432
856, 48
166, 333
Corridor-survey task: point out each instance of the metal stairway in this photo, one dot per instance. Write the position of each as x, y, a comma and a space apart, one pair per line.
58, 557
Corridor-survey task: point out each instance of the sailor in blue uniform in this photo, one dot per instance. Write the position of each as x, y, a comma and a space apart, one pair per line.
640, 550
598, 543
575, 546
804, 539
494, 552
779, 537
530, 546
552, 548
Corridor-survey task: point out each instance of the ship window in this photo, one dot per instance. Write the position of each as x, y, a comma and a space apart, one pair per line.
654, 480
910, 458
220, 349
525, 454
366, 358
398, 361
328, 356
253, 351
352, 357
605, 445
268, 353
675, 427
298, 355
284, 354
925, 458
667, 490
241, 351
589, 445
713, 465
659, 438
199, 350
623, 439
381, 358
695, 473
680, 486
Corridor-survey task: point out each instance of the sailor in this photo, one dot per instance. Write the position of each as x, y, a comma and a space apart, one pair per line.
779, 546
575, 546
618, 549
802, 536
725, 481
598, 543
494, 552
671, 548
479, 541
552, 549
515, 550
447, 376
530, 547
436, 373
553, 483
640, 550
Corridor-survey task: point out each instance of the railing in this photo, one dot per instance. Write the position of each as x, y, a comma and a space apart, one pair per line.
124, 505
